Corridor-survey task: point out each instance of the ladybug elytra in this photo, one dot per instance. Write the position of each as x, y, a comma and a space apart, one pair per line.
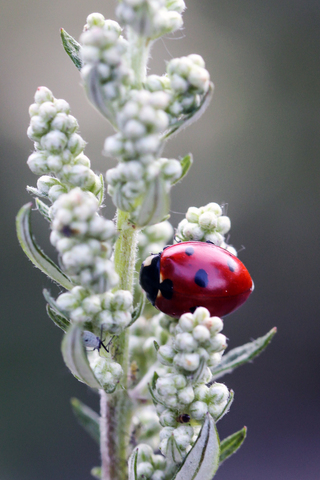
188, 275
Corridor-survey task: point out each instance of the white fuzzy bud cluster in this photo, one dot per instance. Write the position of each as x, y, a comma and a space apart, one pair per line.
195, 346
143, 333
104, 51
152, 18
196, 336
152, 239
107, 372
84, 240
107, 311
58, 148
205, 224
141, 121
149, 466
187, 82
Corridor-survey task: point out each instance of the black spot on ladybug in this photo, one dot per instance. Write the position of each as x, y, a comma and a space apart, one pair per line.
232, 265
189, 251
149, 278
201, 278
166, 288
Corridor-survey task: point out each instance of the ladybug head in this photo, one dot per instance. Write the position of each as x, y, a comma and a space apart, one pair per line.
149, 277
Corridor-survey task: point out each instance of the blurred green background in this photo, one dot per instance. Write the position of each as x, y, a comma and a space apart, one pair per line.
255, 149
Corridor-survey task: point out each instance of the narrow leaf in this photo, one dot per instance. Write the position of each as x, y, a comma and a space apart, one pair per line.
227, 407
95, 93
75, 357
87, 418
35, 191
53, 304
231, 444
72, 47
202, 461
138, 310
185, 163
43, 209
57, 319
101, 193
173, 453
96, 472
240, 355
199, 372
155, 204
34, 252
132, 465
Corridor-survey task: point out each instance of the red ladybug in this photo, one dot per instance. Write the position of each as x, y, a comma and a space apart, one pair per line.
195, 274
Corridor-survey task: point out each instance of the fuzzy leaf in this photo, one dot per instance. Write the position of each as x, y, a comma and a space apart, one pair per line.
173, 453
35, 191
227, 407
72, 47
96, 472
101, 193
53, 304
231, 444
87, 418
155, 204
137, 311
186, 120
43, 209
59, 320
240, 355
185, 163
202, 461
75, 357
132, 465
199, 372
34, 252
96, 96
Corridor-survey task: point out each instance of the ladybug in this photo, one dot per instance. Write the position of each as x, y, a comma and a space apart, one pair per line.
188, 275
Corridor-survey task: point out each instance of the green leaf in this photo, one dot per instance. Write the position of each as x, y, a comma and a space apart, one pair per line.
199, 372
155, 204
240, 355
58, 320
132, 465
87, 418
173, 452
185, 163
231, 444
72, 47
101, 192
96, 472
227, 407
186, 120
53, 304
75, 357
202, 461
138, 310
95, 93
34, 252
35, 191
43, 209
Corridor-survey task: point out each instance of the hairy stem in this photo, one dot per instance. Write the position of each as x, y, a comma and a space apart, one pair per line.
116, 409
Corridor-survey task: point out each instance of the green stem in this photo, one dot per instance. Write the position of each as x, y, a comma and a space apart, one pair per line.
139, 48
116, 409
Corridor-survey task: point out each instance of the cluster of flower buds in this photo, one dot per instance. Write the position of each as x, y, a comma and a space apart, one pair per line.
105, 68
106, 371
143, 333
141, 178
58, 148
196, 336
84, 240
187, 82
205, 224
107, 312
151, 18
181, 394
152, 239
149, 465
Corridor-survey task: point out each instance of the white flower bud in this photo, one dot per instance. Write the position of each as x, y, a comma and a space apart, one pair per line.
144, 470
34, 109
43, 94
197, 60
144, 453
37, 163
82, 159
166, 355
201, 334
186, 395
148, 144
208, 221
95, 19
214, 360
212, 207
165, 386
158, 474
38, 125
92, 305
168, 418
134, 129
216, 410
55, 192
113, 146
179, 84
172, 170
199, 78
218, 393
187, 361
54, 141
200, 315
214, 324
218, 343
198, 410
184, 342
61, 105
67, 301
165, 433
186, 322
224, 225
45, 182
54, 163
192, 231
201, 392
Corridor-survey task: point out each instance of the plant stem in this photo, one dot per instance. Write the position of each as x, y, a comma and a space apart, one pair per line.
116, 409
139, 47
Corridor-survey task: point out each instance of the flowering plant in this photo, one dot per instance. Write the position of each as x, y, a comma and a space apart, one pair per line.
156, 375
